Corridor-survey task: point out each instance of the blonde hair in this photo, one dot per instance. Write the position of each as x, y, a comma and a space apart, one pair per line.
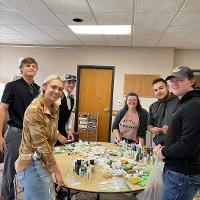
47, 80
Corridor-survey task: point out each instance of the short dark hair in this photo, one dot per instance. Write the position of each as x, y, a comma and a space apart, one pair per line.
138, 107
157, 80
28, 60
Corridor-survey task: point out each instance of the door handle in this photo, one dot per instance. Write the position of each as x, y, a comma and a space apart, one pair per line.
106, 109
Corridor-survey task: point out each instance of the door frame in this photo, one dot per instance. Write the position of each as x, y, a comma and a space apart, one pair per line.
79, 67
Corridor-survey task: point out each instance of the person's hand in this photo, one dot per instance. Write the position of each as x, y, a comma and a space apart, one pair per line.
59, 180
17, 165
156, 130
156, 148
159, 154
70, 135
2, 142
118, 139
165, 129
62, 139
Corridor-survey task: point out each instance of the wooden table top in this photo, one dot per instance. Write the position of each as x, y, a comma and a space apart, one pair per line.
65, 163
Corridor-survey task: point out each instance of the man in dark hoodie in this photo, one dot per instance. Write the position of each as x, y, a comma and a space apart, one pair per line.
181, 154
161, 111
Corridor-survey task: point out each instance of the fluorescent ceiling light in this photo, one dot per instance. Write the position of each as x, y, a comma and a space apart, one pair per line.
101, 29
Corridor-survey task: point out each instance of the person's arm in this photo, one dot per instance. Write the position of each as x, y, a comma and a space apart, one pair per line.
143, 117
188, 144
115, 125
62, 139
150, 122
58, 177
3, 114
154, 130
117, 135
141, 141
69, 129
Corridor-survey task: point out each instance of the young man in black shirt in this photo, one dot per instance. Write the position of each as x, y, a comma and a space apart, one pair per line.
181, 154
16, 98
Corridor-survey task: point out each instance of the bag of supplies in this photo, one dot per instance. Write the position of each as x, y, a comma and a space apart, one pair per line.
153, 189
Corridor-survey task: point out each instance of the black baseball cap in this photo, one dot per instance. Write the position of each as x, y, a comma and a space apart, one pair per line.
182, 72
69, 77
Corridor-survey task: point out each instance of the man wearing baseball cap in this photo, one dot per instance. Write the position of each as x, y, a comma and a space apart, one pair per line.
181, 175
66, 114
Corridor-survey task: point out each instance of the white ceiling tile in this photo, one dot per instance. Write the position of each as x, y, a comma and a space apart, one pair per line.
195, 43
146, 29
111, 5
6, 29
32, 6
92, 39
40, 37
7, 17
185, 19
191, 6
66, 6
15, 38
63, 36
114, 18
149, 39
44, 22
63, 42
153, 20
119, 43
122, 38
158, 6
179, 34
42, 19
55, 29
15, 41
172, 44
3, 7
26, 29
67, 18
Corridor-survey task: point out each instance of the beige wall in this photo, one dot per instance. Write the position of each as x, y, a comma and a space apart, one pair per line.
190, 58
60, 60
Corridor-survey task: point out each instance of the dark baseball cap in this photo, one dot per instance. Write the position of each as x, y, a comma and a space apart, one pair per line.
182, 72
69, 77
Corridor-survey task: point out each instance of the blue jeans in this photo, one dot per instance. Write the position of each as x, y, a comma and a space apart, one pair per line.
37, 182
177, 186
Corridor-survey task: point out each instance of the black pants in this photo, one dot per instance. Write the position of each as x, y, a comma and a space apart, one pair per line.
12, 140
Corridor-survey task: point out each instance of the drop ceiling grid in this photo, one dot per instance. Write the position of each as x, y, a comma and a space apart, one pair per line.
45, 21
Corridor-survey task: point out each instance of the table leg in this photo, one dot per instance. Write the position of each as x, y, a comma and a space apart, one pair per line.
98, 196
68, 194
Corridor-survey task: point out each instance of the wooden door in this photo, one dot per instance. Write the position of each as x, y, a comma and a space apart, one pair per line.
94, 95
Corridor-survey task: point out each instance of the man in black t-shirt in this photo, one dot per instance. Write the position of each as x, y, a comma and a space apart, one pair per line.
16, 98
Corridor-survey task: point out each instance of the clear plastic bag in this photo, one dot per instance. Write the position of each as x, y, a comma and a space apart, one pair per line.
153, 189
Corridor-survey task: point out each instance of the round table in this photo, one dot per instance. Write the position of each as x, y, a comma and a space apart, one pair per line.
72, 181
